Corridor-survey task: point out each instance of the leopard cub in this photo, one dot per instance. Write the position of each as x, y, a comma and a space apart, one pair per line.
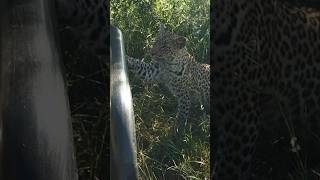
175, 68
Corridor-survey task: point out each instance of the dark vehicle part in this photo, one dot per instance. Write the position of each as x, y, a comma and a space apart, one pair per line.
308, 3
122, 126
36, 134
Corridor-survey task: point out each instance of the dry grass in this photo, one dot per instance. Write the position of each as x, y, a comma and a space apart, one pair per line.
86, 79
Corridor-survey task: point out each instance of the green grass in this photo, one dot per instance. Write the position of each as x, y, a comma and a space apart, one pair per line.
139, 23
160, 155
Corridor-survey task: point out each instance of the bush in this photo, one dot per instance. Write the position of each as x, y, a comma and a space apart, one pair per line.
139, 22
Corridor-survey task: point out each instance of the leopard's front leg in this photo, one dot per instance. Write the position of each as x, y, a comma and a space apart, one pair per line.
184, 104
149, 72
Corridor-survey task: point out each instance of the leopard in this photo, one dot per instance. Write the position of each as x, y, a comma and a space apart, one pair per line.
174, 67
267, 72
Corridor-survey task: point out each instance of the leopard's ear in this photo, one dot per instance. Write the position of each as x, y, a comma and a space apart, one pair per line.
181, 41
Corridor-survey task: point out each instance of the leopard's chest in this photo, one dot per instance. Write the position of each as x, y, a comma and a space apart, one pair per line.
185, 79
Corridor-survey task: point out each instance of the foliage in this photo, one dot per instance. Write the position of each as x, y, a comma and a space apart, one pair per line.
160, 156
139, 22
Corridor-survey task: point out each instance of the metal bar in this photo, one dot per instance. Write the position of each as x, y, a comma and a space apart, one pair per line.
36, 134
123, 140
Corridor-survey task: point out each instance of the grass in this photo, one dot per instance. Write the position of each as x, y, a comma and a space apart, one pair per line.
160, 155
86, 79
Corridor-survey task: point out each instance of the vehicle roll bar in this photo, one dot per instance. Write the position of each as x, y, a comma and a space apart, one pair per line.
122, 126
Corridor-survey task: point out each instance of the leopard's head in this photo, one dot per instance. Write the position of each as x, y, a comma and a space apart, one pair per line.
168, 45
